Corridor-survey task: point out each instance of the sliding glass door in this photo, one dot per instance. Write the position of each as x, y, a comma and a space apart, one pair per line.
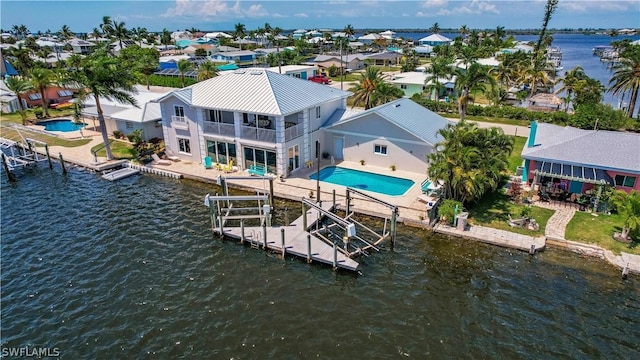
221, 152
255, 156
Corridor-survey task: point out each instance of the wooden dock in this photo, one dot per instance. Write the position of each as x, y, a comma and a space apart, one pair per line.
296, 240
120, 174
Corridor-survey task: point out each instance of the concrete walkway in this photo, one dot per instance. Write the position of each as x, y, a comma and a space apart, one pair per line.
494, 237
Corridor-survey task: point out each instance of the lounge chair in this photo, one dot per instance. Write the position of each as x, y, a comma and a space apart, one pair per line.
229, 167
208, 163
170, 155
517, 222
158, 161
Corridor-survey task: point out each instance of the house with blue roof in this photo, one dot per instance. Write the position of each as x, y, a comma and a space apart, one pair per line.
577, 161
401, 133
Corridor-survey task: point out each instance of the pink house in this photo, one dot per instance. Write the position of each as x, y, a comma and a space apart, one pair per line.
577, 160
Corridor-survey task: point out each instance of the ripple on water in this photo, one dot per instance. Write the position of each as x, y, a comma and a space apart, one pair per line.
130, 269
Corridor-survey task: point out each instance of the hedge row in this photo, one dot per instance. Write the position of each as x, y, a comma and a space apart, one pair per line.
169, 81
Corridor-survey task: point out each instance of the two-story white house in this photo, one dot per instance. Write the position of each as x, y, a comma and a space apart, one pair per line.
251, 117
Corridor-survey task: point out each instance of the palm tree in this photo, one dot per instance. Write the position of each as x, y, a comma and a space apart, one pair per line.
207, 70
120, 32
103, 76
464, 30
440, 69
628, 205
22, 55
550, 8
570, 82
139, 34
239, 33
364, 90
385, 93
106, 26
18, 86
273, 37
147, 64
165, 38
474, 79
41, 79
95, 34
66, 33
349, 31
184, 65
626, 76
435, 28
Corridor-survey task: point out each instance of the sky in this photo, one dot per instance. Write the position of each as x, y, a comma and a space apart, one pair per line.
214, 15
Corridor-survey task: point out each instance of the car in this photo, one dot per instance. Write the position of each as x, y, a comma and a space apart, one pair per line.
321, 79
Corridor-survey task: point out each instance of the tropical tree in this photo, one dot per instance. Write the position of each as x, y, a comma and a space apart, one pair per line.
22, 56
106, 26
18, 86
207, 70
588, 91
184, 65
66, 32
385, 93
95, 34
626, 76
364, 90
165, 38
120, 32
41, 79
569, 83
435, 28
469, 160
464, 30
102, 75
139, 33
239, 33
441, 68
549, 9
628, 205
474, 79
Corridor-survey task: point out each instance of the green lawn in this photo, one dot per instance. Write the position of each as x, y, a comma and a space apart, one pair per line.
488, 119
599, 230
514, 159
493, 211
119, 150
15, 117
11, 133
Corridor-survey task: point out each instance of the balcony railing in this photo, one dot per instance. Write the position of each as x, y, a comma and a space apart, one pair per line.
179, 122
259, 134
219, 128
293, 132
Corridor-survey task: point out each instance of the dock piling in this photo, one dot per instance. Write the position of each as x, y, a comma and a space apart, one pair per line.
304, 217
284, 249
335, 256
286, 216
308, 248
271, 192
334, 198
264, 233
64, 169
46, 149
10, 175
532, 250
241, 231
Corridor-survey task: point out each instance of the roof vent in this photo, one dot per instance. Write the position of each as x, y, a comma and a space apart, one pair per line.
256, 72
397, 105
239, 71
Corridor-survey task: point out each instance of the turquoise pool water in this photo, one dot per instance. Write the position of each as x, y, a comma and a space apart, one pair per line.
62, 125
388, 185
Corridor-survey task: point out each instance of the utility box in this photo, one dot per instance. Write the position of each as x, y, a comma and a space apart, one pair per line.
462, 221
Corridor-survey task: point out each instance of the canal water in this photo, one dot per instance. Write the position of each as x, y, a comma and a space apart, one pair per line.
130, 269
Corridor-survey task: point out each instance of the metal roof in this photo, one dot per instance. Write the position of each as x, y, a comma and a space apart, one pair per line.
408, 115
258, 91
609, 150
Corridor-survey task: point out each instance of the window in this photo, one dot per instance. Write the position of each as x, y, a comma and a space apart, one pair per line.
178, 111
318, 112
380, 149
63, 93
403, 86
626, 181
36, 96
214, 116
184, 146
129, 125
294, 157
248, 118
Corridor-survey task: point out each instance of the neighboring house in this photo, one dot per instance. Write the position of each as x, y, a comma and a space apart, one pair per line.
179, 35
401, 133
384, 58
413, 82
369, 38
300, 71
434, 40
389, 35
217, 35
210, 49
54, 94
351, 61
8, 99
6, 69
81, 46
297, 34
251, 117
577, 160
127, 118
235, 56
423, 50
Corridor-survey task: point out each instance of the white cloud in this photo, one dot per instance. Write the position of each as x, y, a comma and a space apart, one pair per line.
585, 6
435, 3
473, 7
201, 8
301, 15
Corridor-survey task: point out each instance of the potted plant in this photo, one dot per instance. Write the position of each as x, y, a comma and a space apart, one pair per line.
325, 155
362, 162
310, 194
392, 167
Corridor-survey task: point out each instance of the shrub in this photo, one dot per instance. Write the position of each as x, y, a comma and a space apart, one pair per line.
118, 134
325, 155
392, 167
447, 210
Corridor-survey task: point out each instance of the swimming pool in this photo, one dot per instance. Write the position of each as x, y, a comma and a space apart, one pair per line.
62, 125
383, 184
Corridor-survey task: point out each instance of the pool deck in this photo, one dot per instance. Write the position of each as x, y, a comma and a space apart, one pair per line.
411, 211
